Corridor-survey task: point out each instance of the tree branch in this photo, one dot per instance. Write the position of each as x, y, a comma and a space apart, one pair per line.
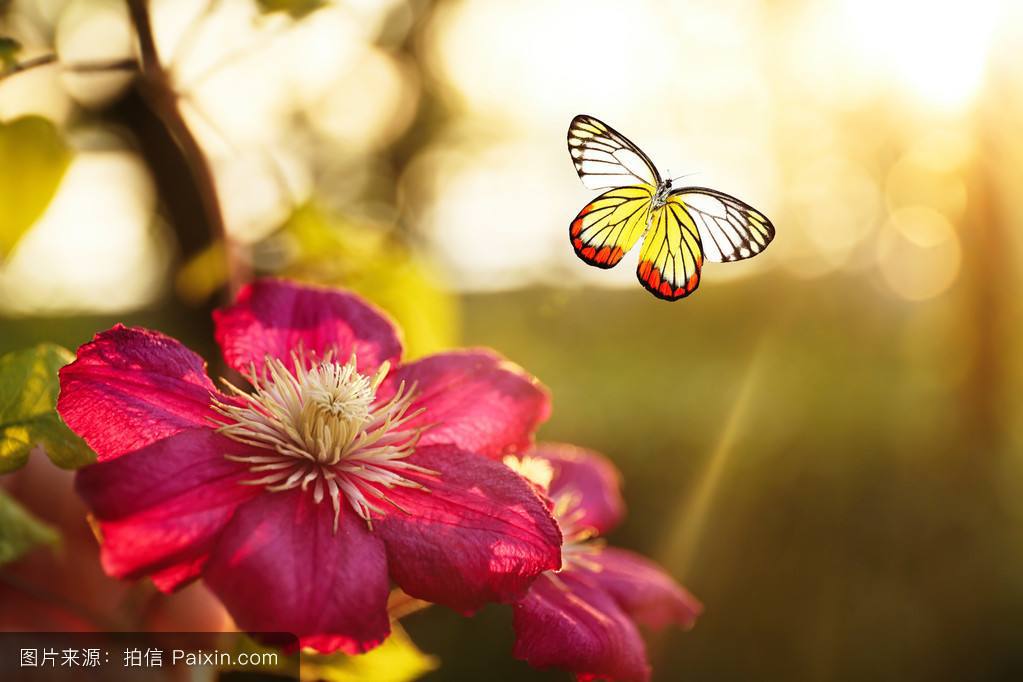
157, 89
127, 64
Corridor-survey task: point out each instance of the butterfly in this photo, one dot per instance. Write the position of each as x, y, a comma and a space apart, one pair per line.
683, 225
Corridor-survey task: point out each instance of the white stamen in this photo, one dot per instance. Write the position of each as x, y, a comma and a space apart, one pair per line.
328, 436
580, 542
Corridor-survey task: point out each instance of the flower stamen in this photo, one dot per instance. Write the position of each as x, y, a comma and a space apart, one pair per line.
322, 430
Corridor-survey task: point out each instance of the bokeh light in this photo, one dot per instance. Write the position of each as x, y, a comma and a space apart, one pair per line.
97, 234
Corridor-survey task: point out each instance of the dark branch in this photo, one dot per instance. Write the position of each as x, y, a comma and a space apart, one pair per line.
128, 64
156, 88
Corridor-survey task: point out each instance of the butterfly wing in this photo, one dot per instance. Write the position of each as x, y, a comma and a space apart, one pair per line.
605, 158
672, 255
610, 225
730, 229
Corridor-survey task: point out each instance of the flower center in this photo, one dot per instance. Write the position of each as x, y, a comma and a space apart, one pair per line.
580, 541
322, 429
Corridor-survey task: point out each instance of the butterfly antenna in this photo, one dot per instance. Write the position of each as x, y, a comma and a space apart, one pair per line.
687, 175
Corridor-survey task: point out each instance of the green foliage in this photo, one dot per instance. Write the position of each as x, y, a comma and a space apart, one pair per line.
28, 416
296, 8
33, 159
20, 531
9, 49
372, 261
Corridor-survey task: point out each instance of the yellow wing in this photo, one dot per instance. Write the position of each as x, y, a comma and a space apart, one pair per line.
611, 224
672, 255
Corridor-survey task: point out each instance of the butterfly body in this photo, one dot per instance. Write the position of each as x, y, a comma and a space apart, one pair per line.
680, 225
661, 195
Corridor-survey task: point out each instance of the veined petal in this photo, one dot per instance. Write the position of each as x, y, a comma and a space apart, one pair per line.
160, 508
566, 621
592, 478
477, 532
130, 387
475, 400
280, 567
278, 318
643, 589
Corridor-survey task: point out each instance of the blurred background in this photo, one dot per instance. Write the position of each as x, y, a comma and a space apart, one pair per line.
824, 444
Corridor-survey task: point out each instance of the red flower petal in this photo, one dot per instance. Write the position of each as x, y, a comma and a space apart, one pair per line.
478, 533
566, 621
130, 387
276, 318
280, 567
644, 590
593, 477
160, 508
475, 400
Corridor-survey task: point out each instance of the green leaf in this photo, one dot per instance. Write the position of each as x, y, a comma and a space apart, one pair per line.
33, 158
28, 416
20, 531
9, 49
296, 8
398, 659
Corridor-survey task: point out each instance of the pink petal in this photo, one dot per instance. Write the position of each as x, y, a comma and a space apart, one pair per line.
475, 400
478, 533
276, 317
592, 477
160, 508
280, 567
130, 387
565, 621
644, 590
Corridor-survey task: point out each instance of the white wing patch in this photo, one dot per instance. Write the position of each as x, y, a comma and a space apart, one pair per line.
604, 158
730, 229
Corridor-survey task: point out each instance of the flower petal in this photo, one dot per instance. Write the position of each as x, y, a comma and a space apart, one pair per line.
590, 476
644, 590
160, 508
566, 621
130, 387
277, 317
477, 533
280, 567
474, 399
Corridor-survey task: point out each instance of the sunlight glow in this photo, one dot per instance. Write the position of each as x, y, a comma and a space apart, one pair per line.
94, 31
681, 546
919, 253
97, 235
936, 50
248, 81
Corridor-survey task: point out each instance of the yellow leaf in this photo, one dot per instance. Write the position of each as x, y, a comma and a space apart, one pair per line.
296, 8
396, 660
33, 158
376, 263
201, 276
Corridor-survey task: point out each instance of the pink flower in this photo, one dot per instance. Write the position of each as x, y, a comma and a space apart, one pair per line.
342, 467
583, 618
